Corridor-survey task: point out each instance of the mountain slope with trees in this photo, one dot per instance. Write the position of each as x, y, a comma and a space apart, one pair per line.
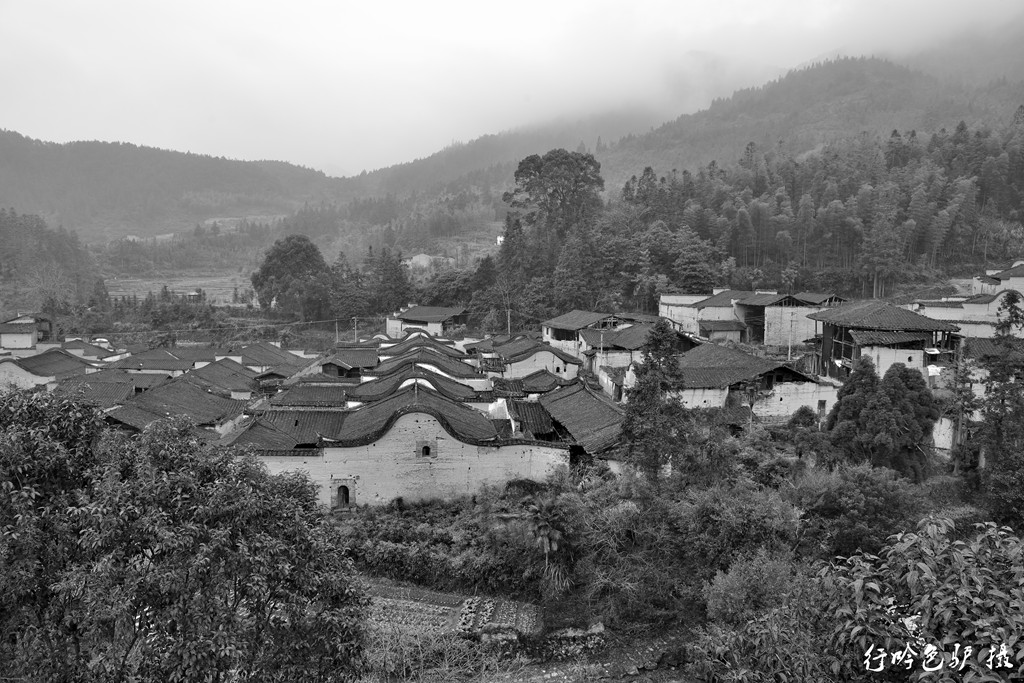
105, 190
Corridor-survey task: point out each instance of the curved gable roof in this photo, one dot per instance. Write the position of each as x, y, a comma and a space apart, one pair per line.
427, 356
369, 423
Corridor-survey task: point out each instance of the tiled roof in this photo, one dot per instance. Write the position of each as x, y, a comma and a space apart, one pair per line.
313, 395
54, 363
153, 359
369, 423
880, 315
178, 397
87, 349
201, 354
987, 280
817, 298
531, 416
430, 314
593, 421
647, 318
352, 358
423, 355
721, 325
542, 380
576, 320
629, 338
932, 303
764, 299
102, 394
886, 338
421, 342
723, 299
17, 328
266, 355
712, 366
225, 374
521, 348
1016, 271
986, 347
390, 384
306, 426
141, 381
506, 388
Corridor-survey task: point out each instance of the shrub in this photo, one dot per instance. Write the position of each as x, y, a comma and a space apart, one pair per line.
750, 586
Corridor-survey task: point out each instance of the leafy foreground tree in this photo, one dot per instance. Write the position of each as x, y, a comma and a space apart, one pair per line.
155, 558
884, 422
909, 614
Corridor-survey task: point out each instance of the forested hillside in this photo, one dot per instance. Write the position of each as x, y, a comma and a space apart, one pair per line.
106, 190
41, 267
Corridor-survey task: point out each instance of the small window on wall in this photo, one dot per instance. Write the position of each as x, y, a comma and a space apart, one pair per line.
343, 493
425, 451
910, 359
426, 448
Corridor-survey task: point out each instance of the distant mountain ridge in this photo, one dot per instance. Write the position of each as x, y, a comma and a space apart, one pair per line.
106, 190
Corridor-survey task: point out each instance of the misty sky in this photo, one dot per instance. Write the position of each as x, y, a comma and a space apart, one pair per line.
345, 86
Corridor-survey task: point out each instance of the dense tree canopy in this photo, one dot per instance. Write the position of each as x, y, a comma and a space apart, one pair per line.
295, 278
155, 558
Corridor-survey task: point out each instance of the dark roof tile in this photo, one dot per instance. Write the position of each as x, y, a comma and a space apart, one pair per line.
593, 421
880, 315
576, 320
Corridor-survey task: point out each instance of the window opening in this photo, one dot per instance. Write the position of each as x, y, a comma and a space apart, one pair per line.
425, 451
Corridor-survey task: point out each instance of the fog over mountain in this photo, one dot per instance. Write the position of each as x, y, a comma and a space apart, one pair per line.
342, 87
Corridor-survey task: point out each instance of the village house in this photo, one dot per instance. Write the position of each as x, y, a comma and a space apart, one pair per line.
436, 320
716, 376
436, 362
349, 363
522, 356
154, 361
688, 312
414, 445
886, 333
976, 315
614, 348
43, 369
780, 320
226, 376
564, 332
212, 412
24, 332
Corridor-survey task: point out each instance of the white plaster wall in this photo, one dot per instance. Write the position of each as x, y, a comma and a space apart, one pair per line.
942, 434
786, 397
684, 317
777, 322
704, 398
391, 467
717, 313
542, 360
977, 328
11, 374
20, 340
884, 358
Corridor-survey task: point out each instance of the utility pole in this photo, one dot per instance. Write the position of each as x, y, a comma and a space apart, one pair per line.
508, 321
789, 352
355, 329
336, 338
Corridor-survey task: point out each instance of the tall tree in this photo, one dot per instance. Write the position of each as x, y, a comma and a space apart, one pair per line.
294, 277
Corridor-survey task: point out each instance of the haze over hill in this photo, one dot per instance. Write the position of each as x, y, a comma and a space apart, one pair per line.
106, 190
